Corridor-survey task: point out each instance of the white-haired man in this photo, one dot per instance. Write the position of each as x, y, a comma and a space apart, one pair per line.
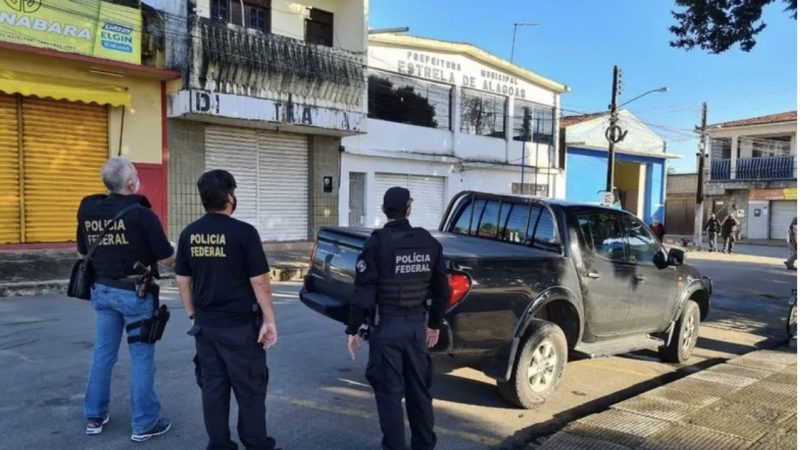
119, 230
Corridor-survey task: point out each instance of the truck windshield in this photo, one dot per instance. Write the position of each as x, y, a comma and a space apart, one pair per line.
517, 223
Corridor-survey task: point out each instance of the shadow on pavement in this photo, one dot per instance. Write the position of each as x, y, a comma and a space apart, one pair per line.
537, 432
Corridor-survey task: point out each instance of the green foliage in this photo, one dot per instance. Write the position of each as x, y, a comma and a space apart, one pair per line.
717, 25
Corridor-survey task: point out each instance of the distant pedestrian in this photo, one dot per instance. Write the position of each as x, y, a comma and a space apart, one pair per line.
791, 240
729, 229
658, 229
713, 228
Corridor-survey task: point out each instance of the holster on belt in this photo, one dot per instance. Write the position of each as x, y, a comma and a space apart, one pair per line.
152, 329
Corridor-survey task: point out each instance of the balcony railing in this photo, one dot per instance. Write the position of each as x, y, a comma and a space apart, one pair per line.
755, 169
234, 60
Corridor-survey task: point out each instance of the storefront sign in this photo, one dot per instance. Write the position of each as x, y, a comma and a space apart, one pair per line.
448, 70
205, 103
774, 194
88, 27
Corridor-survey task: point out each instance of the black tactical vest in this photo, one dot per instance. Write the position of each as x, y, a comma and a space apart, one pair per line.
407, 259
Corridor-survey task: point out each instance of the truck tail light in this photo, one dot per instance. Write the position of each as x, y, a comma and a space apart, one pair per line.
459, 286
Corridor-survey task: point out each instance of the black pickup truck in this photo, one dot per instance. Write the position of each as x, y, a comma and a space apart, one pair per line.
533, 280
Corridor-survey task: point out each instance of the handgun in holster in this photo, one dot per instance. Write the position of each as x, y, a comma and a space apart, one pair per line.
373, 321
152, 329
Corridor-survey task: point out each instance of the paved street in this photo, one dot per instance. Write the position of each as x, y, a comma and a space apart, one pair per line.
319, 399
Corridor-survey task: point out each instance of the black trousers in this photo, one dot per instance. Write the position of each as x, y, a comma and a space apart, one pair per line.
400, 366
230, 358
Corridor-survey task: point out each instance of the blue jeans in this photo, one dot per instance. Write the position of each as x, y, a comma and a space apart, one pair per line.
116, 308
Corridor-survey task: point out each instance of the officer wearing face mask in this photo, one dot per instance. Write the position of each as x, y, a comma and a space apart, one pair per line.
223, 277
119, 230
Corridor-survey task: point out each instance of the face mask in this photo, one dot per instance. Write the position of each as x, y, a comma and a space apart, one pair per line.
233, 204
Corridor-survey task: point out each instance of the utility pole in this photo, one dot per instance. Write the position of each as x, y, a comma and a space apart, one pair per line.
526, 132
701, 160
614, 133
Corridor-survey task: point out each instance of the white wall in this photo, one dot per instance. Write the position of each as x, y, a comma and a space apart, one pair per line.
639, 137
480, 148
398, 137
459, 178
288, 19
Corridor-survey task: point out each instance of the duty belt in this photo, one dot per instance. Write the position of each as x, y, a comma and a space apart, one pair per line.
128, 283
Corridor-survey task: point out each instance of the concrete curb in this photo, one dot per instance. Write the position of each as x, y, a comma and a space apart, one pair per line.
56, 287
747, 402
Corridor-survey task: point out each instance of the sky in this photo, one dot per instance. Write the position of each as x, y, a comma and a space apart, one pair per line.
577, 42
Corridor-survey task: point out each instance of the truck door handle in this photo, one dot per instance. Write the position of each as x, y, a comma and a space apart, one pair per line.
639, 278
592, 274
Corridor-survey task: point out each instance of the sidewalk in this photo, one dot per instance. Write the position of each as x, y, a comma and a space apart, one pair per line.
750, 402
24, 273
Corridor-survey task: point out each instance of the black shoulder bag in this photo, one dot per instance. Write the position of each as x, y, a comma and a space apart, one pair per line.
82, 277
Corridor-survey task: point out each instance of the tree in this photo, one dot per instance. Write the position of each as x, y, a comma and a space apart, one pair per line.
399, 104
717, 25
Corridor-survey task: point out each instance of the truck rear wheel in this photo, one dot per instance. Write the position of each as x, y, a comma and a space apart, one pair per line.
684, 337
538, 368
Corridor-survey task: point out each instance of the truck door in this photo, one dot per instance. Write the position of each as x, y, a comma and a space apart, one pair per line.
654, 288
607, 278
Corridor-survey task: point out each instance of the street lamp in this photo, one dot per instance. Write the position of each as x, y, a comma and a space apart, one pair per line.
388, 30
615, 134
661, 90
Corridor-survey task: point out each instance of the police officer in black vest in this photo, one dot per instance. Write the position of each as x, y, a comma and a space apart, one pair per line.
399, 270
222, 274
125, 232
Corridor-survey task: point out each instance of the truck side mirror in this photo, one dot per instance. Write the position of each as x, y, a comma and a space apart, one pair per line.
660, 260
675, 257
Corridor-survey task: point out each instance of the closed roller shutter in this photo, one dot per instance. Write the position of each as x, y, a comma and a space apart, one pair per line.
9, 171
64, 147
236, 150
427, 192
282, 186
271, 171
781, 213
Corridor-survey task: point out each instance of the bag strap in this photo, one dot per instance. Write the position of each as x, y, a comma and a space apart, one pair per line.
106, 230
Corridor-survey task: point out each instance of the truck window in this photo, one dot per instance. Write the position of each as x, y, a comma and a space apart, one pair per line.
641, 245
542, 230
490, 220
516, 230
603, 234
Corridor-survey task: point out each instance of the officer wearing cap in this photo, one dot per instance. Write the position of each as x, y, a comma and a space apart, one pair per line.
399, 270
123, 231
222, 275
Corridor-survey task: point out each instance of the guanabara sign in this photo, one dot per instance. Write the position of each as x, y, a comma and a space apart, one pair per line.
88, 27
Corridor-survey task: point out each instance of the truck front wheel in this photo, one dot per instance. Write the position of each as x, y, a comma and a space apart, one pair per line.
538, 367
685, 335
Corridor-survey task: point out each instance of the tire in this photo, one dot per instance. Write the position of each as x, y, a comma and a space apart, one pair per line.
685, 336
791, 322
538, 367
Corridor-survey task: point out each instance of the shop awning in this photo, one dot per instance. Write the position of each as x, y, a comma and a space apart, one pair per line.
57, 88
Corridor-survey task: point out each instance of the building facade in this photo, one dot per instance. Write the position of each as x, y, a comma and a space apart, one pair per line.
269, 88
753, 173
639, 170
445, 117
80, 82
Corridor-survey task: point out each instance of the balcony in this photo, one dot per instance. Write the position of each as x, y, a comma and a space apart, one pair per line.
229, 59
755, 169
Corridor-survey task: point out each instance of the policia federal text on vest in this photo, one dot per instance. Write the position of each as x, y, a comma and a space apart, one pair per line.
400, 268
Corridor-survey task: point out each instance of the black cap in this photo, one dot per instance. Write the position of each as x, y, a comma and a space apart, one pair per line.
397, 199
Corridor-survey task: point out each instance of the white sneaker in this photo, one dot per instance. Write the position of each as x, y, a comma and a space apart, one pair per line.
95, 426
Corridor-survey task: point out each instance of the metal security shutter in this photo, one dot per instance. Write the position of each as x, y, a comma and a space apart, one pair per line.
781, 213
282, 186
9, 171
64, 147
427, 192
236, 150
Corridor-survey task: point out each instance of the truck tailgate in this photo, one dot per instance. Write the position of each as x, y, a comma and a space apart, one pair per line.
329, 284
